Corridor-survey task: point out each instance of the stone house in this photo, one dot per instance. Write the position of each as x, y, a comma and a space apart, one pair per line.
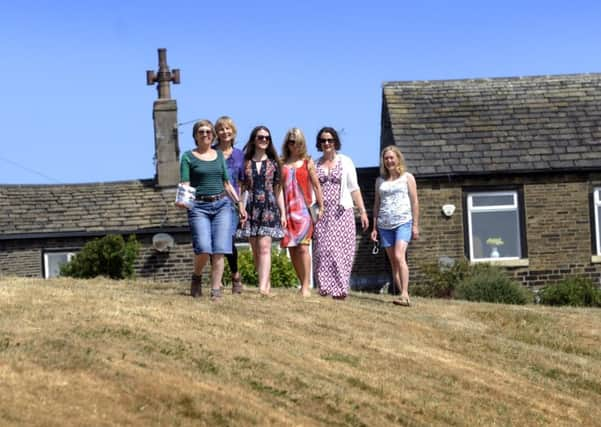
42, 226
510, 158
515, 161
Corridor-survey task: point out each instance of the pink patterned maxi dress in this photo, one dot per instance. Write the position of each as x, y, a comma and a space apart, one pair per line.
334, 238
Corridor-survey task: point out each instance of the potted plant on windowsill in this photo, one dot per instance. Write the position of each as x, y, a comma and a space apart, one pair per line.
494, 243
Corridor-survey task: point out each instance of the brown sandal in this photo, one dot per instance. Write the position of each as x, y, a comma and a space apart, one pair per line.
237, 285
196, 286
404, 301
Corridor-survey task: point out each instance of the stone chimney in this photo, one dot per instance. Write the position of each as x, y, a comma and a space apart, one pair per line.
164, 115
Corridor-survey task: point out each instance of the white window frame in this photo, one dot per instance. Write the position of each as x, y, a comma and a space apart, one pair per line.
70, 254
596, 206
497, 208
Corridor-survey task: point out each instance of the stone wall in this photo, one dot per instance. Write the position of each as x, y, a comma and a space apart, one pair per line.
557, 217
24, 257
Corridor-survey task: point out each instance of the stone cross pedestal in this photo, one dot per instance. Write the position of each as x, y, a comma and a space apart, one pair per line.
164, 115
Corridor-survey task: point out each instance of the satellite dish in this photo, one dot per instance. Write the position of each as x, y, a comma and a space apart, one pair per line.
162, 242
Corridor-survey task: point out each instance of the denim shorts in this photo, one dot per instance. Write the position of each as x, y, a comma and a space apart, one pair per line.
400, 233
211, 226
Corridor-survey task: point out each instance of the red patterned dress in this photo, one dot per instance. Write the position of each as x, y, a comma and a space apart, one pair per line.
297, 198
334, 238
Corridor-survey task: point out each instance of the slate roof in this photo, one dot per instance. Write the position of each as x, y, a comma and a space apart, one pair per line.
496, 125
126, 206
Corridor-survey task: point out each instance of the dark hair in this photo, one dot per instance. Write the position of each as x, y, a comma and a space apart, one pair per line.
331, 130
249, 148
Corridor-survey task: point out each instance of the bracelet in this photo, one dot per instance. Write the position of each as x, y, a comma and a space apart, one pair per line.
362, 211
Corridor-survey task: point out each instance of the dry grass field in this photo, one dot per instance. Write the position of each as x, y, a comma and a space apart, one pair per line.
134, 353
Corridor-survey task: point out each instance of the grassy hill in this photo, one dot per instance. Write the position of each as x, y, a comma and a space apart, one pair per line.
103, 353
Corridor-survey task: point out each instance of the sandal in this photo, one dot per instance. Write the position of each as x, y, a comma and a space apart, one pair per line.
404, 301
196, 286
237, 285
216, 294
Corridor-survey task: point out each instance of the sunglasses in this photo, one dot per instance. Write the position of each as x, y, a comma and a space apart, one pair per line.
262, 137
327, 140
291, 142
204, 132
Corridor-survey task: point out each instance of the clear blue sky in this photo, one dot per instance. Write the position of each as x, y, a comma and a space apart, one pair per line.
75, 106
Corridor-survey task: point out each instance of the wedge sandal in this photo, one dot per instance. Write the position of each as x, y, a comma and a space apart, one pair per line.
196, 286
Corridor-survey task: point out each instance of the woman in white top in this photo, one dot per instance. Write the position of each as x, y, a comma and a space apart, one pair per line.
396, 216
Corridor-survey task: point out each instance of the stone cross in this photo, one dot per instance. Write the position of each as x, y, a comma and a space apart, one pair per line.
163, 77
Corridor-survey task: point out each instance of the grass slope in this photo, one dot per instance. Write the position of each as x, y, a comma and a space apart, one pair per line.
103, 353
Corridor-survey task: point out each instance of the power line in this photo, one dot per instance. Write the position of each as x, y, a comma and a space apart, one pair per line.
30, 170
187, 123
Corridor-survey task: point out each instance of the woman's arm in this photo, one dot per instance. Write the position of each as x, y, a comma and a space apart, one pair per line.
374, 231
279, 194
358, 200
352, 185
231, 192
316, 187
412, 187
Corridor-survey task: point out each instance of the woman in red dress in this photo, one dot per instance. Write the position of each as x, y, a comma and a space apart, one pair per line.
300, 182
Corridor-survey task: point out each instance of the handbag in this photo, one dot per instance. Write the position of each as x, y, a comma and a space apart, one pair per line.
314, 211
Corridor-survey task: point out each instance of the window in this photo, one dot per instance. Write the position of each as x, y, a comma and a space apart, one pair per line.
494, 225
597, 208
53, 261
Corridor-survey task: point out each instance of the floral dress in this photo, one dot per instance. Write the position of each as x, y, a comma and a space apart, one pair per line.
263, 214
334, 237
297, 198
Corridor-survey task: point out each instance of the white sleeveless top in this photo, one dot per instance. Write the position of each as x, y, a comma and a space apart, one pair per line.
395, 205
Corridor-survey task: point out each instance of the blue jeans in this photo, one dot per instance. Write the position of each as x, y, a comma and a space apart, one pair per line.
211, 226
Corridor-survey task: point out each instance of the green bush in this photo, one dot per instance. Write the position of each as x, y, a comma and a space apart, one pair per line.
440, 280
282, 271
574, 291
489, 283
108, 256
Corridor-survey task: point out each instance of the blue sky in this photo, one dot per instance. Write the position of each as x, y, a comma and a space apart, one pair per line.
75, 106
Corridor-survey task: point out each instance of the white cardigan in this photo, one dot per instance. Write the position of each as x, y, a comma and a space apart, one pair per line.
349, 181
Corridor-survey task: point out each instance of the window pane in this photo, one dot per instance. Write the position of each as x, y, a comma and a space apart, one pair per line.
54, 262
486, 225
493, 200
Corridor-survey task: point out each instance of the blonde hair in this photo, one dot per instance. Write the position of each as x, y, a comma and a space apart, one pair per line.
401, 167
227, 121
300, 142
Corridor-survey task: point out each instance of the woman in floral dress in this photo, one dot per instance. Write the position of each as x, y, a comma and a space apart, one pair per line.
265, 211
299, 182
334, 236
